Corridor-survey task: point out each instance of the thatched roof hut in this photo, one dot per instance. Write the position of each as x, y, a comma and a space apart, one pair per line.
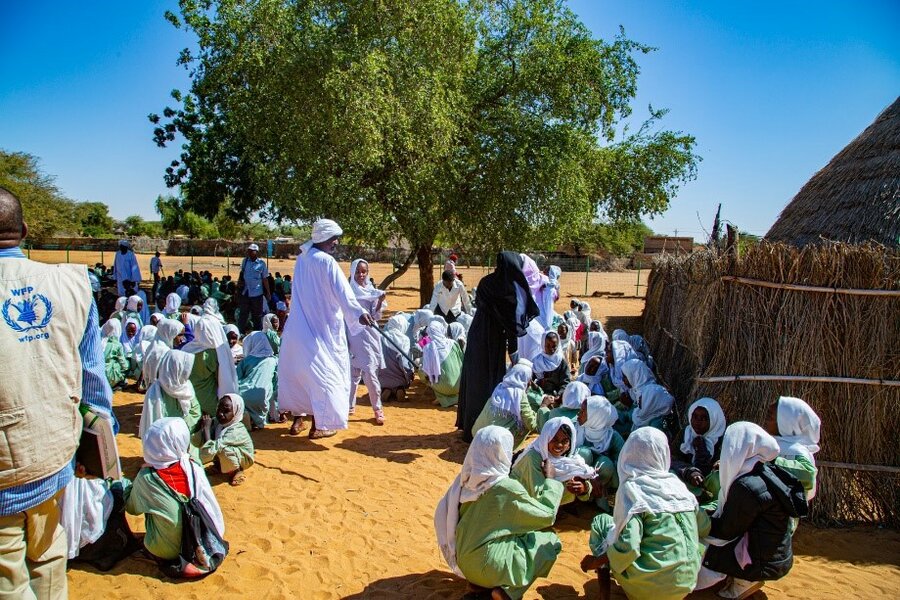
856, 197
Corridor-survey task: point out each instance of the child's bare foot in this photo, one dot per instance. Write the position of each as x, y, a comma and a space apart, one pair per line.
379, 417
498, 594
238, 478
297, 426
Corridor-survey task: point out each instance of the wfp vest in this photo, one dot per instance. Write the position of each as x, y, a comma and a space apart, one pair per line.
43, 315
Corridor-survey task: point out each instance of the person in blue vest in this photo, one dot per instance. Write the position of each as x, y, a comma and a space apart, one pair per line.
254, 287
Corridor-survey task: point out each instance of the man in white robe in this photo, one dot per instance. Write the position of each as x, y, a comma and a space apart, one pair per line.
314, 362
125, 267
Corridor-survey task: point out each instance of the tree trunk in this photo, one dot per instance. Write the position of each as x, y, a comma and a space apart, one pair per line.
399, 272
426, 273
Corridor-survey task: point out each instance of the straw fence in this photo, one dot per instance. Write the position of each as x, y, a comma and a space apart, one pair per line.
820, 323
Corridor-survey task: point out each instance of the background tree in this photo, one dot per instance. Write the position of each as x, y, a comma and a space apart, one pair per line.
486, 123
45, 209
94, 219
136, 226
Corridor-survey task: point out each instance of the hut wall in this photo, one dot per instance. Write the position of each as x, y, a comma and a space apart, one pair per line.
700, 325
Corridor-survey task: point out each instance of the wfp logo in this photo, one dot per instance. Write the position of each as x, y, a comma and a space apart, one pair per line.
26, 311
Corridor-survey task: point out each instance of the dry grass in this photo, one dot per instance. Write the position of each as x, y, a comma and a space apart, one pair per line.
699, 325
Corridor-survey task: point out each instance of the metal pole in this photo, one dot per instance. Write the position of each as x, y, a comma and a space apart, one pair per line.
191, 246
228, 261
67, 252
587, 271
28, 247
637, 285
102, 260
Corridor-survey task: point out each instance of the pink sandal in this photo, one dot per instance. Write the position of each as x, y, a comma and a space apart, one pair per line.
379, 417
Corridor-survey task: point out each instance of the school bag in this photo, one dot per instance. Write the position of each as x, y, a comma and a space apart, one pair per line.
201, 544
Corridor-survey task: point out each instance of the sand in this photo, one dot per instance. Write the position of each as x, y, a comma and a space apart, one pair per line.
351, 516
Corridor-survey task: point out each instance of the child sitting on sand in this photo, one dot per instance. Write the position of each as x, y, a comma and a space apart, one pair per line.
700, 449
795, 426
168, 479
228, 446
651, 543
599, 443
556, 443
489, 528
551, 371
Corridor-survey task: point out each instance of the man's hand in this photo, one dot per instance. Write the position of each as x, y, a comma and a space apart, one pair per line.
367, 320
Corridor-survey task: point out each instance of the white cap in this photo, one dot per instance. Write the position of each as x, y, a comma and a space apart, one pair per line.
253, 247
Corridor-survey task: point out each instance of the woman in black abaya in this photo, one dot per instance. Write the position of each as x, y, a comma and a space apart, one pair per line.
505, 307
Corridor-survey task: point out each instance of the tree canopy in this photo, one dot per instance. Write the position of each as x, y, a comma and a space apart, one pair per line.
484, 123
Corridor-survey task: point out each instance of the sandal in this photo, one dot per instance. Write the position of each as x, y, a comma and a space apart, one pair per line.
297, 426
318, 434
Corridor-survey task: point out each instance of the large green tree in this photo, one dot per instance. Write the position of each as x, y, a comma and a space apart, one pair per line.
45, 209
484, 123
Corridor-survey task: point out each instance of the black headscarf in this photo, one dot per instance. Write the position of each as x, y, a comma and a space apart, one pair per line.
497, 293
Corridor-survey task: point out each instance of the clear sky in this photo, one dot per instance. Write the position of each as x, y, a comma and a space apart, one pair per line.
771, 90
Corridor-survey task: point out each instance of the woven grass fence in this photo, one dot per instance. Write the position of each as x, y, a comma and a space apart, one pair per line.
820, 323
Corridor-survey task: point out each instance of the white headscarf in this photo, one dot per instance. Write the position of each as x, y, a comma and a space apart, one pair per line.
173, 304
112, 329
395, 329
487, 462
637, 373
211, 309
645, 483
620, 335
237, 405
547, 363
744, 445
622, 352
421, 318
798, 428
209, 335
256, 344
325, 229
597, 431
570, 464
267, 323
367, 291
465, 320
129, 343
436, 350
508, 395
121, 302
166, 442
575, 393
596, 347
166, 332
147, 335
651, 401
457, 332
173, 378
131, 304
716, 426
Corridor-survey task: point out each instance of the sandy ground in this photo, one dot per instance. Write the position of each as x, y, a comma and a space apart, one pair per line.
351, 516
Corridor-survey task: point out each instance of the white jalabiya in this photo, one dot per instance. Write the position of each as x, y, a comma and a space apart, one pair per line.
544, 363
549, 295
237, 407
651, 401
173, 305
597, 432
435, 351
173, 378
506, 399
365, 344
568, 465
166, 442
487, 463
314, 364
211, 309
716, 426
574, 395
798, 429
645, 483
209, 335
126, 268
166, 332
744, 445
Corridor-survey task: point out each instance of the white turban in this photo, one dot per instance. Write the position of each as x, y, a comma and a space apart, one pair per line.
325, 229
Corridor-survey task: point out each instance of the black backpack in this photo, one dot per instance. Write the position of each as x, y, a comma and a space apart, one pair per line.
786, 488
201, 544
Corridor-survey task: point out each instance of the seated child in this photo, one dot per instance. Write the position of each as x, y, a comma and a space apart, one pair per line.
397, 374
599, 443
509, 406
795, 426
651, 543
551, 371
752, 523
258, 381
233, 335
700, 449
270, 325
489, 528
651, 401
228, 446
556, 443
441, 364
116, 363
168, 479
131, 341
573, 396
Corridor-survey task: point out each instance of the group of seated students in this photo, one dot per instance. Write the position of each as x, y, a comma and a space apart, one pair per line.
716, 505
205, 390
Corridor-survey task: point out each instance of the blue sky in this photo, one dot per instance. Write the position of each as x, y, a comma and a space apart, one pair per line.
771, 90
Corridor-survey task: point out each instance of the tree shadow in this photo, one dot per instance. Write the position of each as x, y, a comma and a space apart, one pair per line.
633, 325
401, 448
433, 585
275, 436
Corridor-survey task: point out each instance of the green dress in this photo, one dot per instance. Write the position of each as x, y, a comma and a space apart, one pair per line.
274, 340
527, 414
605, 462
656, 557
446, 388
805, 471
204, 377
258, 386
544, 414
149, 496
498, 538
116, 363
234, 449
172, 408
529, 473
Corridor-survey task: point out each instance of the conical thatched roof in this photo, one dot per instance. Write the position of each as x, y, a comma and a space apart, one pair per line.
856, 197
